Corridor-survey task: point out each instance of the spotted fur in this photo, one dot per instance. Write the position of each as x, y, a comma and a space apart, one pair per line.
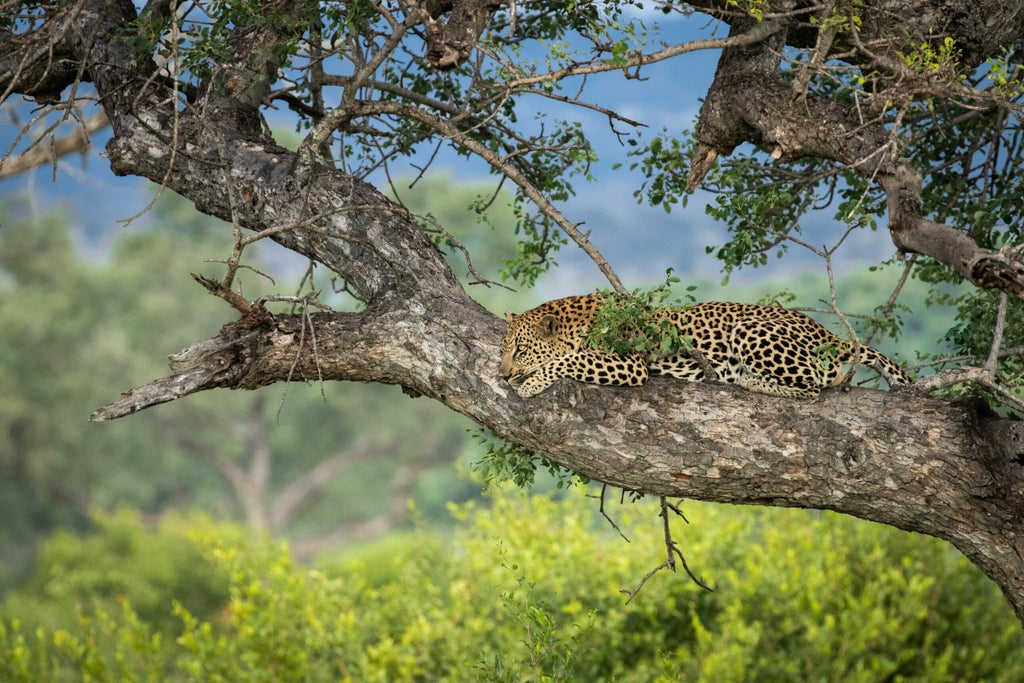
766, 349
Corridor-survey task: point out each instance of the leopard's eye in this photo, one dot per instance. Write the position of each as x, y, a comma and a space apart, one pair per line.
519, 353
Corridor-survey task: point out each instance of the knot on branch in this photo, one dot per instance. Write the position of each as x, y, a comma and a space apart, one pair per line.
702, 161
207, 357
450, 42
995, 271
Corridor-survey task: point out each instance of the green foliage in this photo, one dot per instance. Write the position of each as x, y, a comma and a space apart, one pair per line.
206, 45
759, 200
984, 201
663, 163
631, 324
101, 602
792, 601
550, 651
798, 596
1003, 73
505, 461
539, 240
105, 646
756, 8
838, 19
931, 58
120, 559
762, 204
975, 329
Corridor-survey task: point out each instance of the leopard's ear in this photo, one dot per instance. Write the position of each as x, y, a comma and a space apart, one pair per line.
509, 316
549, 326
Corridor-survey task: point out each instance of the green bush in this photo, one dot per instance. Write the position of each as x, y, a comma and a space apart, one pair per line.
122, 559
529, 590
103, 601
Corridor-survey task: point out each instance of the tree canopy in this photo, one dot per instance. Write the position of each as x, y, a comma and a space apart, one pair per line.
904, 110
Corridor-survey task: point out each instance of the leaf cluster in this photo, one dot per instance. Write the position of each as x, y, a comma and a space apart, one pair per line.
663, 163
635, 324
205, 37
976, 321
932, 56
505, 461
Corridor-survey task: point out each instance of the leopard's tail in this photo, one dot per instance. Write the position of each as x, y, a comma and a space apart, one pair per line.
885, 366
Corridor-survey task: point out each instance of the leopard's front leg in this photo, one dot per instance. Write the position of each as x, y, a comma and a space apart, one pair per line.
593, 367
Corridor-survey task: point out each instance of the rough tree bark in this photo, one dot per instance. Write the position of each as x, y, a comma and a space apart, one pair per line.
901, 458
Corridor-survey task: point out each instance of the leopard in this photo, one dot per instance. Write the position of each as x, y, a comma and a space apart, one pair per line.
763, 349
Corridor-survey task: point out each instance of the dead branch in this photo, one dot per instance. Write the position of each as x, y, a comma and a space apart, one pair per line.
672, 550
42, 153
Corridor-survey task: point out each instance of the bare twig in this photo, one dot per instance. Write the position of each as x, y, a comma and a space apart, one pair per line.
630, 594
968, 375
826, 35
453, 241
239, 242
825, 253
307, 301
604, 489
77, 141
968, 358
890, 304
672, 550
673, 547
997, 338
638, 59
175, 60
217, 288
459, 137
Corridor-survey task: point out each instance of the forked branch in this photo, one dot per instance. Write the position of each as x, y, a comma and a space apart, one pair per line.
672, 550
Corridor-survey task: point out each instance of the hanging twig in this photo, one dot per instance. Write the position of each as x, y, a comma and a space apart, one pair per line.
673, 552
604, 489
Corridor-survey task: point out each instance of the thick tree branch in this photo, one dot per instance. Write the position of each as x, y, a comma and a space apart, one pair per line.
450, 41
901, 458
980, 28
913, 233
748, 102
37, 64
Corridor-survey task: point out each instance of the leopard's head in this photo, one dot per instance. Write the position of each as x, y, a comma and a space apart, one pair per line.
531, 339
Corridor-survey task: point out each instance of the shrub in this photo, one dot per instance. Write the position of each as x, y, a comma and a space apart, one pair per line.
530, 590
